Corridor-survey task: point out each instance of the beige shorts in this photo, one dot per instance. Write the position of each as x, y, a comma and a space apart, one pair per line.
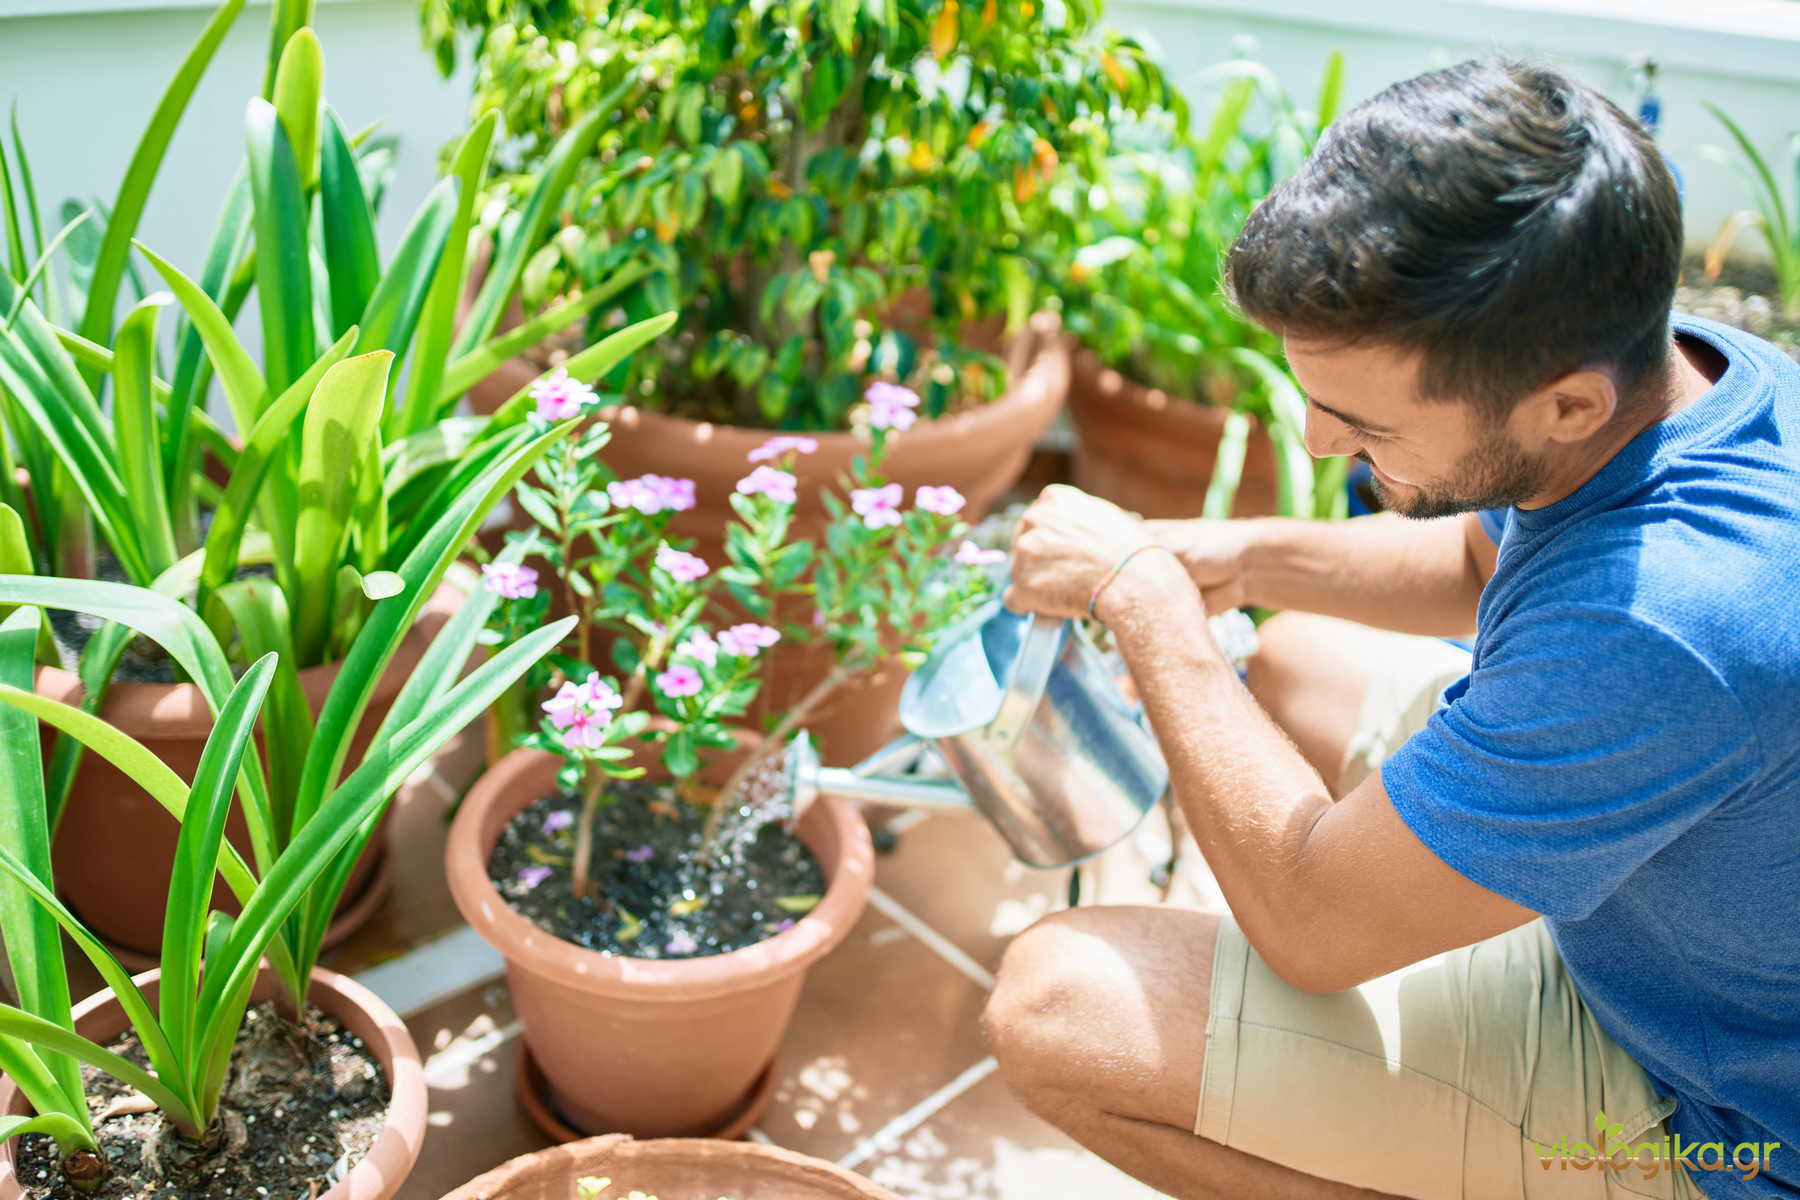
1456, 1077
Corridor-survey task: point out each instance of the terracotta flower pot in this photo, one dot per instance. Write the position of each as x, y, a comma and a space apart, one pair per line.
115, 846
672, 1168
656, 1048
381, 1171
981, 452
1152, 453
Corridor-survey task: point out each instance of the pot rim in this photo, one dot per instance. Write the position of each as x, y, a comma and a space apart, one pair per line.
513, 782
179, 710
584, 1156
1035, 392
389, 1158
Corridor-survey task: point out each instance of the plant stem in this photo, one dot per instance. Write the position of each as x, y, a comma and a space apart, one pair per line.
840, 674
580, 877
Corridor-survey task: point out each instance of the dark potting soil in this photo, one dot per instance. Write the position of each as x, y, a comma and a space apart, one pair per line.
655, 899
303, 1103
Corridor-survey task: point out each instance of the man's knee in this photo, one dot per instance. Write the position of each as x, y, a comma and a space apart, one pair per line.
1034, 1019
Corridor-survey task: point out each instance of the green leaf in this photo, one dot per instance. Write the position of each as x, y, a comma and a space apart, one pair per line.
70, 1134
146, 162
1228, 465
352, 263
256, 610
138, 433
478, 364
283, 264
245, 388
197, 853
33, 942
336, 440
595, 361
393, 311
299, 79
39, 1032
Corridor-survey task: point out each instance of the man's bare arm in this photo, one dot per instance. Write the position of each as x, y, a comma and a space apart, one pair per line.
1384, 571
1329, 894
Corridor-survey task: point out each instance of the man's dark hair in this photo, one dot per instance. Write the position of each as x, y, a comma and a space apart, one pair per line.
1503, 220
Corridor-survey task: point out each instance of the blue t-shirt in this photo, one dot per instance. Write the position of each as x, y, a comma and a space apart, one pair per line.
1624, 754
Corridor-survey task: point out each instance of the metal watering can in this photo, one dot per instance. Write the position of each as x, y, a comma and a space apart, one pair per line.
1029, 720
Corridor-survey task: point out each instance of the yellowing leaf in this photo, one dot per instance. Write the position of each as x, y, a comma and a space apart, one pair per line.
979, 133
943, 31
629, 926
682, 908
921, 157
588, 1187
797, 904
1114, 71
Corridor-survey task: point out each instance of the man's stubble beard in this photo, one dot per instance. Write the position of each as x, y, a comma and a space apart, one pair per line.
1495, 474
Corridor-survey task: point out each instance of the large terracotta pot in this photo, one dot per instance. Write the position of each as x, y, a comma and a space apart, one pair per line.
381, 1171
981, 452
1152, 453
672, 1168
653, 1048
115, 846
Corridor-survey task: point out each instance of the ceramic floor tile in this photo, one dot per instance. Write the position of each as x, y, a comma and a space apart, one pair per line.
984, 1145
955, 873
475, 1122
883, 1023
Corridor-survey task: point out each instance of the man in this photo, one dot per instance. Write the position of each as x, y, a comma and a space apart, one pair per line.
1480, 939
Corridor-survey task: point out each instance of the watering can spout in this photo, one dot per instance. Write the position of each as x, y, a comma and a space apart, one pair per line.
863, 783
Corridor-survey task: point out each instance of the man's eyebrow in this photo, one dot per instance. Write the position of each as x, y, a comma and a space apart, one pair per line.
1353, 421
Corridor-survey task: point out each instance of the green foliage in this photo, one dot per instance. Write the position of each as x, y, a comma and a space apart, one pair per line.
1145, 291
1775, 218
786, 171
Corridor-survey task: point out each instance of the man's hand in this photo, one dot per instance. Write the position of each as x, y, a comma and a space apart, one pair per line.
1212, 553
1066, 544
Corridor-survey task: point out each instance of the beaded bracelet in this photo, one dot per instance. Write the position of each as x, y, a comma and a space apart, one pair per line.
1114, 574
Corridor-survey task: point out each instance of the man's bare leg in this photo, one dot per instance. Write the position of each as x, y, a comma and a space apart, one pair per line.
1099, 1023
1310, 675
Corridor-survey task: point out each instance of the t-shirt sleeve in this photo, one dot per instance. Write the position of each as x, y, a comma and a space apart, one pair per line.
1584, 743
1493, 523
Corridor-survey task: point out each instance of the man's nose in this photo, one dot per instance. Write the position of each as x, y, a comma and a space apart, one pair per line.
1328, 437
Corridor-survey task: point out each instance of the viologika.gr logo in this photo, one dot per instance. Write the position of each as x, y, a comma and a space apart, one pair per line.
1652, 1158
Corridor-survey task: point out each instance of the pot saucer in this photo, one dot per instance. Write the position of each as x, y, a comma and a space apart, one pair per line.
534, 1097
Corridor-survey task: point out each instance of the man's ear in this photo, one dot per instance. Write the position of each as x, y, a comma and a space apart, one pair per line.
1568, 409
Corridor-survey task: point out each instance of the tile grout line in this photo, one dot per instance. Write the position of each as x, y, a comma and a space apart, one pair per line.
949, 951
917, 1115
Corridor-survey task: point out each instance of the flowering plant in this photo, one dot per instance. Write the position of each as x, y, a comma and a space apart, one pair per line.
884, 579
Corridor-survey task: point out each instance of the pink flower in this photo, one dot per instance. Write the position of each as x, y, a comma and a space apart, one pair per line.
770, 482
679, 681
891, 406
558, 397
971, 555
700, 647
558, 821
877, 506
530, 877
748, 640
681, 942
944, 501
652, 494
509, 580
582, 711
639, 854
775, 447
681, 566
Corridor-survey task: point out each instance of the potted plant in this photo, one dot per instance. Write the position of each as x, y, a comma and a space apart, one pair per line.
1768, 307
615, 1167
830, 195
1170, 376
340, 465
632, 862
204, 1071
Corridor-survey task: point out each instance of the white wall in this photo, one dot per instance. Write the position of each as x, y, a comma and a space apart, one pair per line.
85, 82
1743, 55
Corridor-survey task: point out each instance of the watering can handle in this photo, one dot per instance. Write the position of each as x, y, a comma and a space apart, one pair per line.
1030, 676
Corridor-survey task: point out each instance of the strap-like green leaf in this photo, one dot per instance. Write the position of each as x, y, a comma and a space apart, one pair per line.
267, 440
393, 312
257, 610
33, 943
138, 433
243, 382
1228, 465
534, 221
438, 322
283, 268
70, 1134
39, 1032
299, 80
146, 162
197, 853
481, 362
337, 439
348, 225
594, 361
39, 268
